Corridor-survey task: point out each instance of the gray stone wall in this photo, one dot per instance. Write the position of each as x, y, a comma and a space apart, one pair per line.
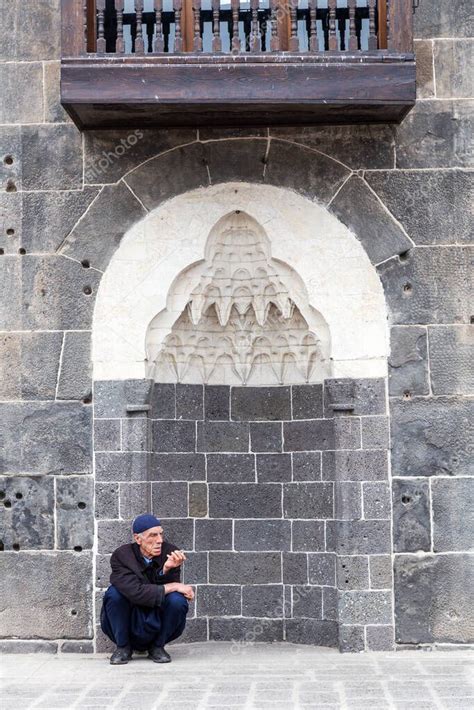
280, 498
409, 200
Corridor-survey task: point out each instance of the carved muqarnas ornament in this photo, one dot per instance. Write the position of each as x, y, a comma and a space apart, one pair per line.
240, 324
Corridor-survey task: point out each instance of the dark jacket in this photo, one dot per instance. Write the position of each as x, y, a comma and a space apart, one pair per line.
140, 583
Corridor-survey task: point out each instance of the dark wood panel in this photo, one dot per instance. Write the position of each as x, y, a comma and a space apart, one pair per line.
72, 28
401, 25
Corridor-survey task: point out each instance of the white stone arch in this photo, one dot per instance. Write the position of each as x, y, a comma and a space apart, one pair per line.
340, 282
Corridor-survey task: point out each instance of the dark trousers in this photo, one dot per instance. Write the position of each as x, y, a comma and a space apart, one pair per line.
140, 627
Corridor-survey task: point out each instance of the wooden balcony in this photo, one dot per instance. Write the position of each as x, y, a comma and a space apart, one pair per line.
137, 63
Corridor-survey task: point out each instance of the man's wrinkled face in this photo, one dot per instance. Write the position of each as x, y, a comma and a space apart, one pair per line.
150, 541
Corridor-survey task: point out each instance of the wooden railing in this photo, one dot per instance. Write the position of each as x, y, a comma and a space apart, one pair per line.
138, 27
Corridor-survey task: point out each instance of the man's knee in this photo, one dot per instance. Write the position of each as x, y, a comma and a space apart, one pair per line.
113, 595
177, 602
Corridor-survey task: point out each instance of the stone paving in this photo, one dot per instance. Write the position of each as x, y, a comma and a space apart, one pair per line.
224, 675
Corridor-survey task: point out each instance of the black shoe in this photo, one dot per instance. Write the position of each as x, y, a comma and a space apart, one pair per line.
121, 655
159, 655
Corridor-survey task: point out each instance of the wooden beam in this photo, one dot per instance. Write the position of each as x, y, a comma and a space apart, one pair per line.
73, 21
382, 20
91, 26
401, 26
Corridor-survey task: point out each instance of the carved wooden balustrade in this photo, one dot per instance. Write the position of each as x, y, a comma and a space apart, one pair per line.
192, 62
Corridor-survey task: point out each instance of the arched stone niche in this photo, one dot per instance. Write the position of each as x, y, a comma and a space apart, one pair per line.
153, 272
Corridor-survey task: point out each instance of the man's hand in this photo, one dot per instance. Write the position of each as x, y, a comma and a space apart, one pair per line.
174, 559
185, 589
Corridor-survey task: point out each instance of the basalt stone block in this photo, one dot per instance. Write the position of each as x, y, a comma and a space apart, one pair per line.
358, 537
11, 172
307, 401
195, 568
262, 535
48, 217
179, 531
351, 639
27, 512
134, 499
11, 209
177, 467
307, 602
236, 160
163, 401
358, 146
48, 595
57, 293
110, 154
230, 468
111, 534
311, 631
411, 515
307, 535
375, 433
352, 572
102, 642
10, 292
217, 402
425, 88
170, 174
308, 500
75, 512
111, 397
121, 466
273, 467
348, 500
355, 465
306, 466
380, 235
107, 435
14, 646
330, 603
22, 85
376, 497
434, 207
213, 534
76, 368
194, 632
347, 432
432, 437
380, 567
46, 438
244, 500
170, 500
357, 607
10, 372
219, 600
433, 599
451, 359
310, 435
24, 22
306, 171
135, 434
453, 517
412, 287
189, 402
295, 568
222, 436
453, 61
435, 134
52, 157
246, 630
82, 243
77, 647
107, 500
322, 569
53, 111
40, 356
242, 568
363, 396
173, 436
408, 361
266, 436
263, 600
380, 638
198, 495
260, 403
444, 18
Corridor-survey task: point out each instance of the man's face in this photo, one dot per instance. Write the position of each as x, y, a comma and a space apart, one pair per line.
150, 541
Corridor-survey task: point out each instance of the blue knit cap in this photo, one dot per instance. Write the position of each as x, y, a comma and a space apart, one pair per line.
145, 522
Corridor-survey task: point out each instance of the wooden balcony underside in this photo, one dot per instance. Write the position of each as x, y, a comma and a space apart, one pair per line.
199, 89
